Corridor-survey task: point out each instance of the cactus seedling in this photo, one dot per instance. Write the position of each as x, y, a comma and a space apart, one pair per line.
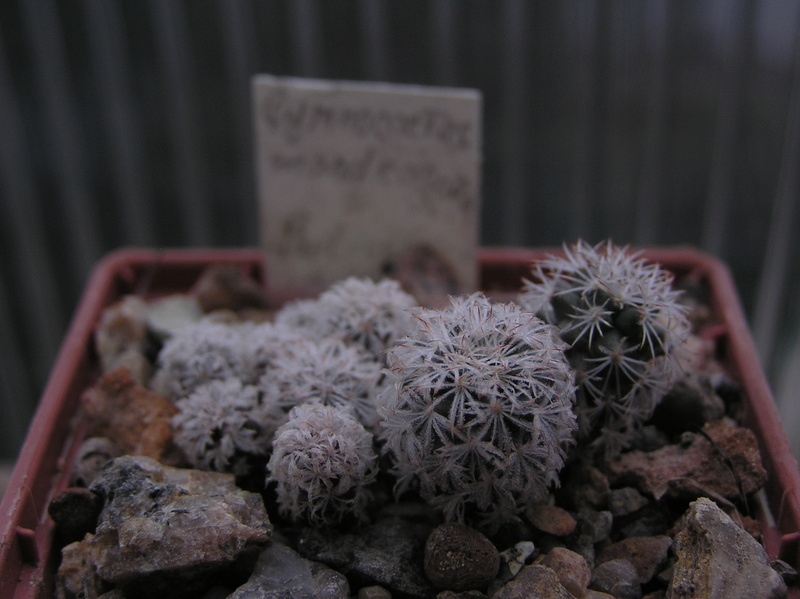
479, 410
623, 324
323, 463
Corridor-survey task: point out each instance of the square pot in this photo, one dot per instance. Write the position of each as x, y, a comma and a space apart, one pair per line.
28, 556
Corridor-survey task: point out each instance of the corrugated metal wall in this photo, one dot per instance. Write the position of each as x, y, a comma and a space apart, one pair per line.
653, 122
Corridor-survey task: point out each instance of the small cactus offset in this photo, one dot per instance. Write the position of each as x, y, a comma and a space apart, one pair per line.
323, 463
222, 422
328, 371
479, 410
373, 315
623, 325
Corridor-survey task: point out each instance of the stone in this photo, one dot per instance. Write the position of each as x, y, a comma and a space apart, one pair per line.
570, 567
625, 501
690, 404
168, 532
705, 463
76, 574
93, 454
459, 558
618, 578
280, 573
388, 553
227, 287
583, 486
533, 582
75, 511
786, 571
551, 519
462, 595
596, 525
137, 419
513, 559
122, 338
716, 558
647, 554
592, 594
373, 592
169, 314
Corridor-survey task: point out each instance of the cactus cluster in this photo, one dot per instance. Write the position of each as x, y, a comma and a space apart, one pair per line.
474, 406
479, 409
621, 320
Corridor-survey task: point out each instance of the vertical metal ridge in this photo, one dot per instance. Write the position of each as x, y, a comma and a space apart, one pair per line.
238, 47
735, 52
649, 196
444, 42
112, 81
514, 65
177, 71
14, 386
772, 284
60, 119
35, 285
585, 140
374, 35
306, 35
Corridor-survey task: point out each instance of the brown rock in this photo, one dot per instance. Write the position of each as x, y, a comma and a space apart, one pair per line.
75, 511
227, 287
716, 558
122, 338
534, 582
647, 554
94, 453
571, 569
137, 419
704, 462
583, 486
551, 519
459, 558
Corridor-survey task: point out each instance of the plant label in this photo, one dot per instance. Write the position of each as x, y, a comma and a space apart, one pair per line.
368, 180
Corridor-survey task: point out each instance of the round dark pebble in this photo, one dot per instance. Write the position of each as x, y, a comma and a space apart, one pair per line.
459, 558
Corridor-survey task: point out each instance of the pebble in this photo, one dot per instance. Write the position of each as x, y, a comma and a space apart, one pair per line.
596, 525
625, 501
551, 519
281, 573
374, 592
647, 554
459, 558
571, 569
75, 511
534, 582
618, 578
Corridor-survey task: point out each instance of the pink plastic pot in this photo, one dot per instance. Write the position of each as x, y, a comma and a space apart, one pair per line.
28, 558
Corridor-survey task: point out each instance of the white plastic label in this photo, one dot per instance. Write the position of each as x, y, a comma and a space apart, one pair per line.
367, 179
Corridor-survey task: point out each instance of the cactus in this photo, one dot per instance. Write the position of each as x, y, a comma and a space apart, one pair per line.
373, 315
623, 325
479, 409
328, 371
222, 422
323, 463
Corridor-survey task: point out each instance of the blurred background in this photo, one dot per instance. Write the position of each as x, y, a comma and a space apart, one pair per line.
648, 122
